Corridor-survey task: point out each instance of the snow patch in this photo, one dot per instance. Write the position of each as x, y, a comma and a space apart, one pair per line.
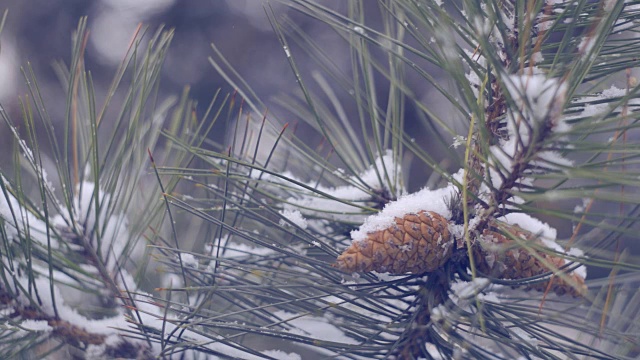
295, 217
425, 199
281, 355
316, 327
466, 289
36, 325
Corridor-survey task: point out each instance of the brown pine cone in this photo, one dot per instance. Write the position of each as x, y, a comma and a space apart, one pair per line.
416, 243
501, 257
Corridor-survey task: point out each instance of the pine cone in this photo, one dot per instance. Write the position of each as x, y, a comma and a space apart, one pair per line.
416, 243
499, 256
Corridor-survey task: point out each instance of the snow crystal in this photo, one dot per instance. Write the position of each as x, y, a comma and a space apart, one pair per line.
316, 327
467, 289
535, 94
189, 260
439, 313
113, 226
26, 221
172, 281
554, 160
458, 140
596, 106
311, 203
530, 224
95, 351
112, 340
489, 297
425, 199
482, 25
359, 30
126, 281
36, 325
586, 44
295, 217
581, 208
384, 276
581, 270
383, 163
281, 355
502, 157
545, 23
235, 250
474, 80
104, 326
547, 236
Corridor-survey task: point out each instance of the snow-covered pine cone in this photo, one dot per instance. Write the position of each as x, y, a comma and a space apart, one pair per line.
416, 243
499, 256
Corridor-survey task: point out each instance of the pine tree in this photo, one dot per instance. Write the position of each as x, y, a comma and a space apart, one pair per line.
379, 242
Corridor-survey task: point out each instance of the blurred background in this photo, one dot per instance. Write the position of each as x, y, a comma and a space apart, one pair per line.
39, 31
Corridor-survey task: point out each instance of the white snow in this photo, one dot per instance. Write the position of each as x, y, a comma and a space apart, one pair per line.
491, 297
467, 289
472, 77
458, 140
172, 281
597, 104
579, 209
530, 224
586, 44
102, 326
383, 163
319, 209
425, 199
316, 327
188, 260
27, 223
582, 270
554, 160
281, 355
439, 313
535, 95
234, 250
112, 226
36, 325
295, 216
359, 30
